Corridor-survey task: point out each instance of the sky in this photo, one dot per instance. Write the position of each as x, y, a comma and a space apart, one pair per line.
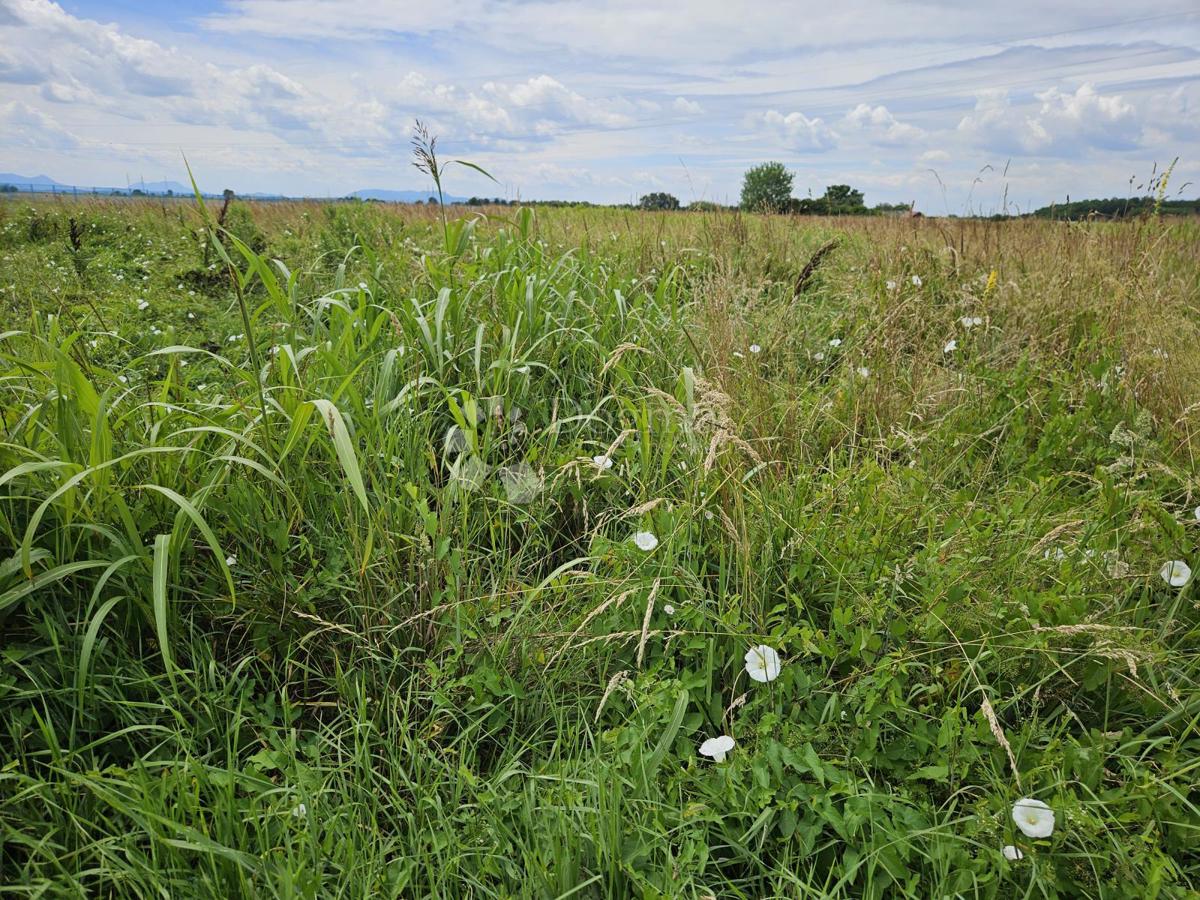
955, 106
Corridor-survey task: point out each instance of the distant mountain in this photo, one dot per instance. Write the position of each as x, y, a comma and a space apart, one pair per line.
10, 178
401, 196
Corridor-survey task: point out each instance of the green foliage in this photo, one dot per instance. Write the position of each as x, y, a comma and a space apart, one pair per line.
766, 188
312, 584
658, 200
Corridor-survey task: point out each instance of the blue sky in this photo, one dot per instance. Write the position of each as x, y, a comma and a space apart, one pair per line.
955, 106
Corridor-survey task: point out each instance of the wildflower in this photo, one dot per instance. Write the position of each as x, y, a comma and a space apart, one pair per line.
191, 315
916, 280
1196, 513
669, 609
891, 285
1176, 573
299, 811
739, 354
835, 342
231, 560
864, 372
819, 355
362, 285
645, 540
143, 305
122, 379
1033, 817
602, 461
762, 663
1059, 554
754, 348
951, 346
1012, 853
717, 747
970, 322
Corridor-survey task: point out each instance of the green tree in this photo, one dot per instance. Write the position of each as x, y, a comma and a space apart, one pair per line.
659, 200
841, 199
767, 188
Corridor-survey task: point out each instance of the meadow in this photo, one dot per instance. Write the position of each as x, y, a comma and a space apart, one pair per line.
348, 551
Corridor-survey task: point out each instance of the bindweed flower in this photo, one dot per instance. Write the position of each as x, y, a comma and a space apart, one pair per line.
970, 322
299, 811
819, 356
891, 285
1012, 853
717, 747
951, 346
645, 540
231, 560
762, 663
916, 280
1176, 573
143, 305
669, 609
863, 372
1196, 513
835, 342
602, 462
754, 348
1033, 817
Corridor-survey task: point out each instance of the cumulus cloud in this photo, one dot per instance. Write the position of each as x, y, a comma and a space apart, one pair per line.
23, 126
1063, 123
879, 126
798, 131
687, 107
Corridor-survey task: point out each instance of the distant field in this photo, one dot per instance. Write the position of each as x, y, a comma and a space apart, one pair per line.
347, 554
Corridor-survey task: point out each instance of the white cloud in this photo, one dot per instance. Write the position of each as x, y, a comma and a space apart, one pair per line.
1063, 123
798, 131
687, 107
24, 126
879, 126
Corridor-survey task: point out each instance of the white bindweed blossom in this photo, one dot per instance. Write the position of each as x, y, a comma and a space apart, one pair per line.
1012, 853
819, 356
762, 663
835, 342
645, 540
602, 462
669, 609
1196, 513
299, 811
143, 305
863, 372
231, 560
717, 747
1176, 573
1033, 817
970, 322
754, 348
916, 280
891, 285
951, 346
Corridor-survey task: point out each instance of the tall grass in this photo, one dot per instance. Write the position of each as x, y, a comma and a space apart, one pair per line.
312, 587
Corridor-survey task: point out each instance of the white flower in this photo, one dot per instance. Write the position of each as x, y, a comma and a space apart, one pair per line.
739, 354
1196, 513
969, 322
819, 355
300, 811
1033, 817
1059, 553
1012, 853
891, 285
122, 379
864, 372
143, 304
191, 315
835, 342
916, 280
762, 663
669, 609
951, 346
231, 560
1176, 573
645, 541
602, 461
362, 285
754, 348
717, 747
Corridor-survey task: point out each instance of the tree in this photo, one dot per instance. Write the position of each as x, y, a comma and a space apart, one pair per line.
841, 199
767, 188
659, 200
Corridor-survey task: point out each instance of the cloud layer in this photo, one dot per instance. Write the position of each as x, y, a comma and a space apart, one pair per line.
606, 100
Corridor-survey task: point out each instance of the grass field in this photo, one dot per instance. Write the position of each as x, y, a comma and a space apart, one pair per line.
345, 554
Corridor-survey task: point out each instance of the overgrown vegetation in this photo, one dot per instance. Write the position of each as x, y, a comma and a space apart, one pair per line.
334, 591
